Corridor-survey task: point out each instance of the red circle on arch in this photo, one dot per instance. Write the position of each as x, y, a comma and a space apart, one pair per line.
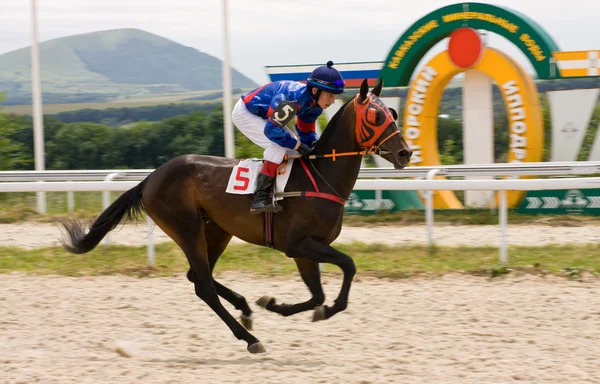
465, 47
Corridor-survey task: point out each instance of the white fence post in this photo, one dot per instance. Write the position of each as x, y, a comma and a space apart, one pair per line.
503, 217
151, 251
70, 201
106, 202
429, 207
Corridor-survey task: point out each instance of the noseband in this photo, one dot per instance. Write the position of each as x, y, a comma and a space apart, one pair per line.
372, 119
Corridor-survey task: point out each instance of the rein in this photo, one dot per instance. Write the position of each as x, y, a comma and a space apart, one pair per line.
375, 133
316, 193
374, 150
367, 131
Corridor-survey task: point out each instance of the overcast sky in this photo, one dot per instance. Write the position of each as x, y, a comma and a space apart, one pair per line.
274, 32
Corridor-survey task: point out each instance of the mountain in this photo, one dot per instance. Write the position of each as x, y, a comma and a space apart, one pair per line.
113, 63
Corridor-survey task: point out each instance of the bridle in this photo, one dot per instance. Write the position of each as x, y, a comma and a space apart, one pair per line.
372, 119
368, 130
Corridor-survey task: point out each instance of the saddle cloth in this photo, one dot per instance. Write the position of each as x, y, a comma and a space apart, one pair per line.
242, 180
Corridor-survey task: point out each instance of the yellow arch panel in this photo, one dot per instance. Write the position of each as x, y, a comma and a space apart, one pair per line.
520, 98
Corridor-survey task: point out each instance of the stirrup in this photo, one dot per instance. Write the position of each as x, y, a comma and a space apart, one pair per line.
269, 206
265, 209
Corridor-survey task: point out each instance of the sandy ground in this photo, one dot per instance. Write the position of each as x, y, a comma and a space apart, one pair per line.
33, 235
451, 329
454, 329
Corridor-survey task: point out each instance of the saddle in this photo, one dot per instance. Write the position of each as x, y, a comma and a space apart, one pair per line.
242, 181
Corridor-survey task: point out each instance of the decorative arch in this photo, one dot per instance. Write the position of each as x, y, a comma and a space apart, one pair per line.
526, 132
527, 35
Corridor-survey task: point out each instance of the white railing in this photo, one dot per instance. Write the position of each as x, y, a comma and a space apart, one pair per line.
498, 169
495, 170
73, 175
377, 184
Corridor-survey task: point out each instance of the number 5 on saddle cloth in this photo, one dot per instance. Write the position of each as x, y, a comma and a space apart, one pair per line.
242, 180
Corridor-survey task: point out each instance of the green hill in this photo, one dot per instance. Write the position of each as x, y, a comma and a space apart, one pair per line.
114, 63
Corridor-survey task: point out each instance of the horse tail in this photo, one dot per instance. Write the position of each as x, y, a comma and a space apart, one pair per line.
129, 204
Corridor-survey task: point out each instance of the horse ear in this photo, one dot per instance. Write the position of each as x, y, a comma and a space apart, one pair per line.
394, 113
377, 90
364, 89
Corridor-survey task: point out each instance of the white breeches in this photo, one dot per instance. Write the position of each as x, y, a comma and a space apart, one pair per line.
253, 128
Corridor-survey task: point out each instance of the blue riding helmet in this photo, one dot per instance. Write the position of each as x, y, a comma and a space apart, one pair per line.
327, 78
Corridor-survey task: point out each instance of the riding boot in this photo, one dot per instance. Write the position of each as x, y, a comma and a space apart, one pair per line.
261, 201
264, 182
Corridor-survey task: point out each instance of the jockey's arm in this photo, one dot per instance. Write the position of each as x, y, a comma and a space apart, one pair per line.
280, 113
306, 126
306, 131
279, 136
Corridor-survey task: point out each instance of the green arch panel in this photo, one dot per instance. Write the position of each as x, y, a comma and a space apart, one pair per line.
527, 35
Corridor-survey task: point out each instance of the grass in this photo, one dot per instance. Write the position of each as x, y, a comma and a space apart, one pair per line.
467, 217
374, 260
16, 207
371, 260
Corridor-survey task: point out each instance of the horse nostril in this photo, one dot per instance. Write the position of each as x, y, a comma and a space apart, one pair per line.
405, 153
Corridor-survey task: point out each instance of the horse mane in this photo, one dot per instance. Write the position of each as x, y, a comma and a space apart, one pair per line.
334, 120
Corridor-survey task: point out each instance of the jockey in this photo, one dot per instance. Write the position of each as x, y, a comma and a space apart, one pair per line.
262, 116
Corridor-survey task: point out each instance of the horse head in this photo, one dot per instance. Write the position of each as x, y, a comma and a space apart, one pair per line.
376, 128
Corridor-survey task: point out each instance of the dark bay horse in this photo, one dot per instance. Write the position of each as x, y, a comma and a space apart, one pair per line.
186, 198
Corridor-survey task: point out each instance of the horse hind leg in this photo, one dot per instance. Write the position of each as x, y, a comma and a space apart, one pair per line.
217, 240
206, 290
309, 271
237, 300
187, 229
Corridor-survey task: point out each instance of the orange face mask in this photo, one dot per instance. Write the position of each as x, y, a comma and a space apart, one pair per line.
372, 118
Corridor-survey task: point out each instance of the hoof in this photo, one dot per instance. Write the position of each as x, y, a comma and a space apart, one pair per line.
319, 314
264, 301
256, 348
246, 321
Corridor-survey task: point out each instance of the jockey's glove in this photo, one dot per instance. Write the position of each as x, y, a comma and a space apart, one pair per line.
304, 150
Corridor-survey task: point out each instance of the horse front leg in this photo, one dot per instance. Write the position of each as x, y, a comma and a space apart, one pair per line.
311, 249
309, 271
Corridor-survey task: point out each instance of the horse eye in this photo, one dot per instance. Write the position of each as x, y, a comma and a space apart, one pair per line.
372, 115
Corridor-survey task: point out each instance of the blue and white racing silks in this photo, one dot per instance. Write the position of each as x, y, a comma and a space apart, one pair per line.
263, 100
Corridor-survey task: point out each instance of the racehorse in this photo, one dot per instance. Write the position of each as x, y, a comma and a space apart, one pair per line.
186, 198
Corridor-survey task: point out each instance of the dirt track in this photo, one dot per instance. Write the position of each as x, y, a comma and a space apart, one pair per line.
455, 329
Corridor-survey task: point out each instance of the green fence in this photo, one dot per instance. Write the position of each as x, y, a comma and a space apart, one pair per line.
367, 202
562, 202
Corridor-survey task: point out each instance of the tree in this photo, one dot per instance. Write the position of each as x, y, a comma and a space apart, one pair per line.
547, 128
81, 146
450, 140
246, 149
216, 132
590, 135
12, 152
448, 153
